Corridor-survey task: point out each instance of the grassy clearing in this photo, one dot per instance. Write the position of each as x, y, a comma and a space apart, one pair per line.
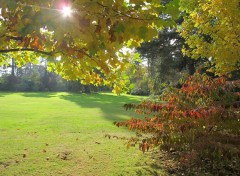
54, 134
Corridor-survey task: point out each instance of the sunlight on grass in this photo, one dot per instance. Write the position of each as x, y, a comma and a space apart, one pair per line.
63, 134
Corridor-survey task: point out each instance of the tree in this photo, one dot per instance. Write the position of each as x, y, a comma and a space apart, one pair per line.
139, 82
89, 38
211, 29
166, 64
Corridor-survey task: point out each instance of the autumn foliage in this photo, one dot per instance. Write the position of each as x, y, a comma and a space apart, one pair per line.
211, 30
182, 116
88, 43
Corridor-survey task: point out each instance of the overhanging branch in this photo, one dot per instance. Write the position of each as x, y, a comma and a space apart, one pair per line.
26, 49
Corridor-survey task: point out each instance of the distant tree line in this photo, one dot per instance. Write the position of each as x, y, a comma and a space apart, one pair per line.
35, 77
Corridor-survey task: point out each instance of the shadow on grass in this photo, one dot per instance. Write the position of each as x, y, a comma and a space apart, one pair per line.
154, 165
31, 94
149, 171
111, 105
3, 94
39, 94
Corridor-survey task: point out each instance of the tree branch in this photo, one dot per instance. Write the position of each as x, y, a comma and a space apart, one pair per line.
26, 49
15, 38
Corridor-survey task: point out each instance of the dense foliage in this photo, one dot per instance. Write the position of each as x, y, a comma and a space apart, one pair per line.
90, 38
203, 109
211, 29
92, 34
138, 79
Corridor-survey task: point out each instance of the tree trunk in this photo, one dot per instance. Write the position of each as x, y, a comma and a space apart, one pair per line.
13, 67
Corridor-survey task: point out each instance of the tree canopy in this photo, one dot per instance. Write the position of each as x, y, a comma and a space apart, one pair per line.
84, 44
83, 39
211, 29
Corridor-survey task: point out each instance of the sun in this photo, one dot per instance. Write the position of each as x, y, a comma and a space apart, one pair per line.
67, 11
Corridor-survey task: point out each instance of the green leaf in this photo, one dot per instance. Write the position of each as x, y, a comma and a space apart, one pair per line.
119, 28
131, 86
143, 32
159, 23
12, 4
136, 57
172, 9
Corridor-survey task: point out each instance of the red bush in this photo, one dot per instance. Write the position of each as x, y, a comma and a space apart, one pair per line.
180, 116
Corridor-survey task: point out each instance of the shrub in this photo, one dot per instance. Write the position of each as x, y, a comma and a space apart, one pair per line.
183, 117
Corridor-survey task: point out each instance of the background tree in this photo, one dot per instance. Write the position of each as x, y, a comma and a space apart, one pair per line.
138, 78
35, 77
166, 64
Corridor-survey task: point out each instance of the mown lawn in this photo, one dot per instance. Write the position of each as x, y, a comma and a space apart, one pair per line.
51, 134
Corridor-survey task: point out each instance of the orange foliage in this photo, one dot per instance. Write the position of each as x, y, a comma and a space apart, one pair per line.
199, 106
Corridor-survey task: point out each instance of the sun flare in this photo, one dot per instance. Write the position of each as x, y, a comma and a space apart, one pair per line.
67, 11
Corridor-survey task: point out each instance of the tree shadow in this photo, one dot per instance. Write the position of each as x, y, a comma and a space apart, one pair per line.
111, 105
3, 94
152, 173
153, 166
39, 94
168, 163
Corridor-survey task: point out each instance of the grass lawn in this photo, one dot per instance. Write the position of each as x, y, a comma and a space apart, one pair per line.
51, 134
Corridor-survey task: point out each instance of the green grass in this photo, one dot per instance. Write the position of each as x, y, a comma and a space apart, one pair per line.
51, 134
